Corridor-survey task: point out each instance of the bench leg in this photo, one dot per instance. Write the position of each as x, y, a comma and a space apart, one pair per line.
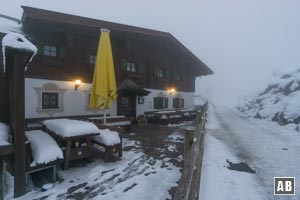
54, 173
89, 145
68, 154
108, 153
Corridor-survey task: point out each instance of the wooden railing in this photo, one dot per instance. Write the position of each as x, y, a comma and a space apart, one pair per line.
189, 184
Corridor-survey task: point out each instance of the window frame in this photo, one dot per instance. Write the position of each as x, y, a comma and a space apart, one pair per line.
130, 66
178, 102
49, 88
50, 94
163, 104
92, 59
50, 50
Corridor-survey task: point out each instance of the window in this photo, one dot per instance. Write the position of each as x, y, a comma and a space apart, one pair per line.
131, 66
160, 73
178, 102
92, 59
125, 101
50, 100
161, 102
177, 76
50, 50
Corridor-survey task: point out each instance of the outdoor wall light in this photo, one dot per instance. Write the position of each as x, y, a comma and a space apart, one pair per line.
77, 84
171, 91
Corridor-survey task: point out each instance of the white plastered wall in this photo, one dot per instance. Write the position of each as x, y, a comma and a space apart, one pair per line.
148, 105
75, 101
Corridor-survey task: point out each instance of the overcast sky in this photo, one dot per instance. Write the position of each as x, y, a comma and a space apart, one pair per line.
243, 42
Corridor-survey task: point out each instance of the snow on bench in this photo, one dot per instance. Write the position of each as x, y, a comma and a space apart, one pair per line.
44, 148
4, 132
107, 137
70, 127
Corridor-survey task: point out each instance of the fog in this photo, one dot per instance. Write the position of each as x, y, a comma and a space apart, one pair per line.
243, 42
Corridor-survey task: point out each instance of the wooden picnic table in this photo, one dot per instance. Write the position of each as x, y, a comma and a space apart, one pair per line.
74, 146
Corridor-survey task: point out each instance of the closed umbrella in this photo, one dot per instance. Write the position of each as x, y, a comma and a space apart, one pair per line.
104, 90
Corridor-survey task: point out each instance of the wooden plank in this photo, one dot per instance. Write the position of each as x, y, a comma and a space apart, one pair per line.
6, 150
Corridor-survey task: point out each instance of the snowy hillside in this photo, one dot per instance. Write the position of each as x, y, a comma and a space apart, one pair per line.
279, 102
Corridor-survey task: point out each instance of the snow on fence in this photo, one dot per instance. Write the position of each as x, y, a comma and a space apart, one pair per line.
189, 184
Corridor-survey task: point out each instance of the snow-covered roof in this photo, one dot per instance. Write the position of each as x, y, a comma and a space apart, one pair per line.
17, 41
8, 26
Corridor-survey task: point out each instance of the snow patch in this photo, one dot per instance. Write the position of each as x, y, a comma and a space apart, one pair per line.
44, 148
70, 127
107, 137
17, 41
216, 176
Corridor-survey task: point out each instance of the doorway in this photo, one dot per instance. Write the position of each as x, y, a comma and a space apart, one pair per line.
127, 106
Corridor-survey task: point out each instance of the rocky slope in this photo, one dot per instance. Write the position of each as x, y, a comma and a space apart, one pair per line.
279, 102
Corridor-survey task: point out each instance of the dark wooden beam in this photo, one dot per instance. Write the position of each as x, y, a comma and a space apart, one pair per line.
15, 62
20, 59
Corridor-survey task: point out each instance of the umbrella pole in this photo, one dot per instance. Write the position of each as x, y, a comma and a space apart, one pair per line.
104, 121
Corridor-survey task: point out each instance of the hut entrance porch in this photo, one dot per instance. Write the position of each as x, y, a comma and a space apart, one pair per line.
127, 106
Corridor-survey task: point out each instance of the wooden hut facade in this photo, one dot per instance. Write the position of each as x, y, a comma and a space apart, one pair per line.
150, 62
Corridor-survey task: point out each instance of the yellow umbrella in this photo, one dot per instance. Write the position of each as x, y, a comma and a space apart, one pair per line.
104, 89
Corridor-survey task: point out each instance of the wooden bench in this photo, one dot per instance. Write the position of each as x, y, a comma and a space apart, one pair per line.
141, 120
150, 116
113, 121
109, 150
39, 167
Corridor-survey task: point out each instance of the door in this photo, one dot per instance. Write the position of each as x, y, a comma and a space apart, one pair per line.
127, 106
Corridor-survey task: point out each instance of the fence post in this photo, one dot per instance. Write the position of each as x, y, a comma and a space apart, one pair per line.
188, 141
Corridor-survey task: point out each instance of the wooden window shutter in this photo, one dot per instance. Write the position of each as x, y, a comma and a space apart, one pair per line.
140, 68
156, 102
166, 103
167, 73
182, 103
86, 57
123, 64
40, 47
62, 51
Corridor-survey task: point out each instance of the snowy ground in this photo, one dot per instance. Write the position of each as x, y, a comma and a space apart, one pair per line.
269, 149
135, 176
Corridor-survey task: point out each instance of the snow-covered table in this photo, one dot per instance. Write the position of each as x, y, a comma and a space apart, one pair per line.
72, 134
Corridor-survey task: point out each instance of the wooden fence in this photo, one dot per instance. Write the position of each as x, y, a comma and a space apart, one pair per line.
189, 184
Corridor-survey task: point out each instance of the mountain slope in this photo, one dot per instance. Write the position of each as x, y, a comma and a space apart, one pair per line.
279, 102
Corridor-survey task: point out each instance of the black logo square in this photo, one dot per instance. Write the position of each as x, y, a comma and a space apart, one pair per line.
284, 185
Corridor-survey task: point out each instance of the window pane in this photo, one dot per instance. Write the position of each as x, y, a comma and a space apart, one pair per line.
49, 100
46, 52
53, 53
47, 47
